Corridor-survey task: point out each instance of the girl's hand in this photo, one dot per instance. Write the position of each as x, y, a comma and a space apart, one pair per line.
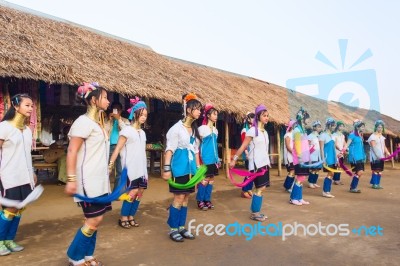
166, 175
232, 164
70, 188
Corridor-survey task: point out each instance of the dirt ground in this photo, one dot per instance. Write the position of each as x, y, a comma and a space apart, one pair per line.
49, 225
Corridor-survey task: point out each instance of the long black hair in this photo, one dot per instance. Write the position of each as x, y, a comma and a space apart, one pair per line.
193, 104
15, 101
247, 121
301, 117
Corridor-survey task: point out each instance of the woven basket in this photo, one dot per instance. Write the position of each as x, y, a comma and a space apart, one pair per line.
52, 155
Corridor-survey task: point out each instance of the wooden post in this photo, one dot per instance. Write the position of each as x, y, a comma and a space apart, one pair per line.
391, 149
278, 139
227, 150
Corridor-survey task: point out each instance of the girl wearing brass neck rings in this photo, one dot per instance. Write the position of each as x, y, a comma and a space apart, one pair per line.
301, 155
355, 146
339, 144
258, 140
328, 155
132, 147
87, 170
17, 179
181, 162
378, 150
288, 156
209, 156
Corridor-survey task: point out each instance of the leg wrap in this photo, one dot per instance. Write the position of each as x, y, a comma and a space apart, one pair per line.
354, 182
327, 184
378, 178
135, 205
315, 178
374, 179
296, 193
6, 219
208, 191
182, 216
92, 246
336, 176
300, 193
81, 243
311, 177
126, 207
291, 181
256, 202
201, 191
288, 182
174, 216
248, 186
12, 230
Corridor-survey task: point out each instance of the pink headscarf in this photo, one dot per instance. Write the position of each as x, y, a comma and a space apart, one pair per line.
87, 88
207, 108
290, 125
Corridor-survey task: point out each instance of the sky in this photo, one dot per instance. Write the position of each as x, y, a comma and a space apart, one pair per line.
339, 50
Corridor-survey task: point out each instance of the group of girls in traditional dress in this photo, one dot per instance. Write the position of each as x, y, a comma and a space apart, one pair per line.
306, 155
88, 169
187, 148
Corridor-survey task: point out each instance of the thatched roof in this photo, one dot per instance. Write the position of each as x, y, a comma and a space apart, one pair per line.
38, 48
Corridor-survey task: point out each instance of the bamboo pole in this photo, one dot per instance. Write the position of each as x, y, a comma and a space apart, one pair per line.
227, 150
391, 149
278, 139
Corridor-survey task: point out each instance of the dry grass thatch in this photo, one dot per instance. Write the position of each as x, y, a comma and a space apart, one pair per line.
38, 48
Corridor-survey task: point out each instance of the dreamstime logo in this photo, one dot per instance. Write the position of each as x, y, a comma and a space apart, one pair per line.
249, 231
357, 88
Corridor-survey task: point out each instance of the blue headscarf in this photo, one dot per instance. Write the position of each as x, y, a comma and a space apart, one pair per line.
136, 105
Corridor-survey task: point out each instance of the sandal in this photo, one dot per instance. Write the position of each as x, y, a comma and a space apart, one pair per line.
133, 223
258, 217
124, 224
246, 195
209, 205
295, 202
202, 205
186, 234
94, 262
82, 264
176, 236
